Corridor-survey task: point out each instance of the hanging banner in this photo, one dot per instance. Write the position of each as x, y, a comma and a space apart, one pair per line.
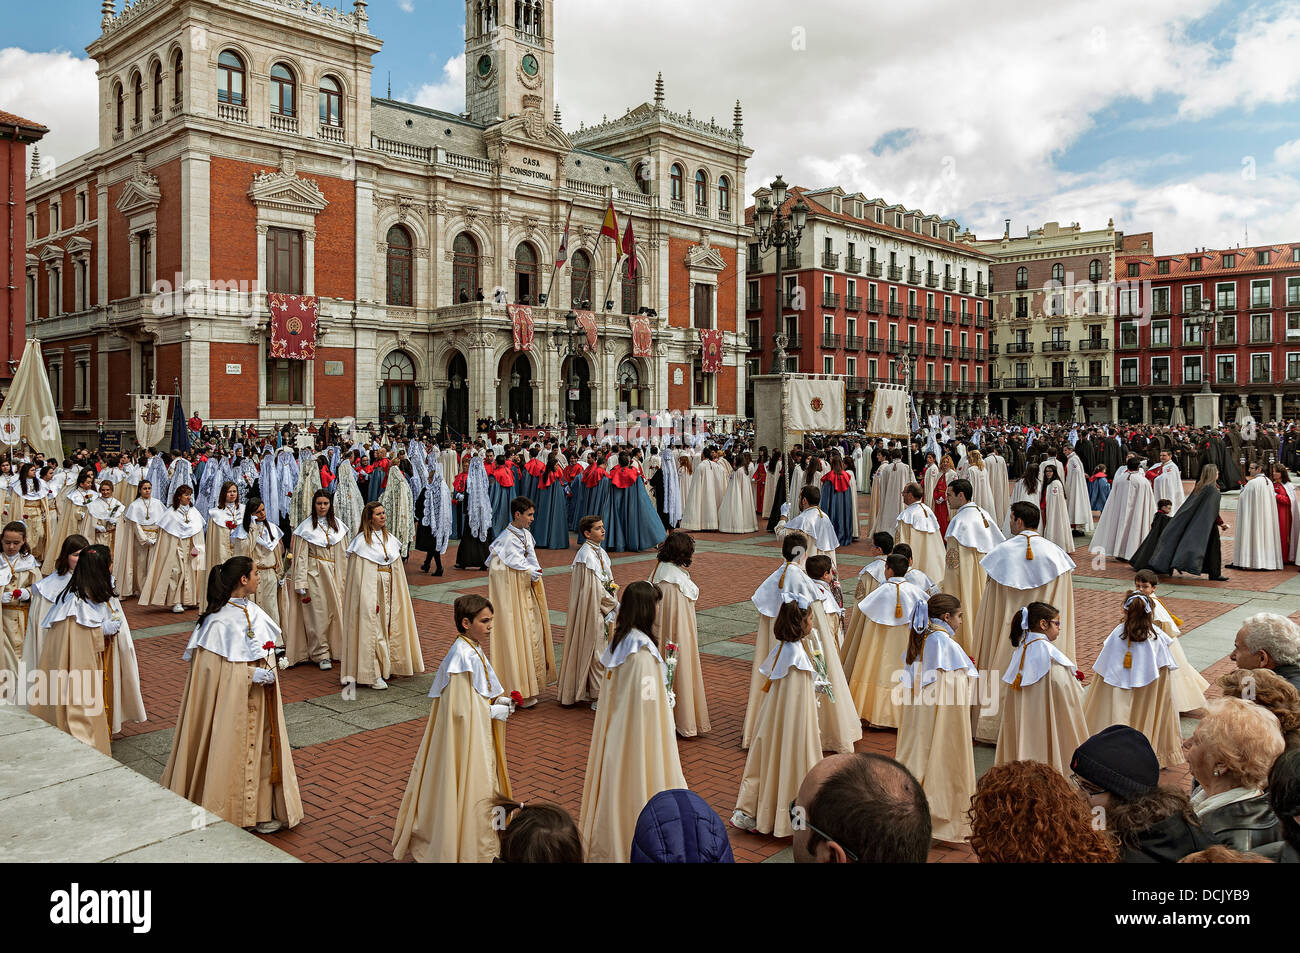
814, 405
711, 341
11, 430
293, 325
150, 415
642, 340
521, 318
587, 321
888, 414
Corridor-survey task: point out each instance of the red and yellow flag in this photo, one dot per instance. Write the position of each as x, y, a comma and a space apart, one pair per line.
610, 227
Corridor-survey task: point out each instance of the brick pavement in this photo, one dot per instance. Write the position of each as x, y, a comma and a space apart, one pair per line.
353, 758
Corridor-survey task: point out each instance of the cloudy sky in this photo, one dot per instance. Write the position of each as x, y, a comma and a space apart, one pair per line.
1177, 116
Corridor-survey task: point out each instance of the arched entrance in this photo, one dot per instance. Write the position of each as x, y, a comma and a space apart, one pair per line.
576, 373
455, 412
398, 396
629, 385
517, 385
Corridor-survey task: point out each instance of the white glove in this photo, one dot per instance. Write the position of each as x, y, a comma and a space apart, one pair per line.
536, 575
25, 595
112, 626
301, 592
6, 597
500, 711
101, 528
785, 510
151, 541
282, 582
263, 676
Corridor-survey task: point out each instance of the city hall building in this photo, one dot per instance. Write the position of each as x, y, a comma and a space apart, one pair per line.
242, 154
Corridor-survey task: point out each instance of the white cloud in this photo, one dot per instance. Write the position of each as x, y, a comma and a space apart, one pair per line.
1288, 153
406, 6
59, 91
1262, 68
448, 95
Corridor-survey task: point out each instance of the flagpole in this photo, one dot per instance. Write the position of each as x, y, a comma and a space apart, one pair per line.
558, 265
605, 303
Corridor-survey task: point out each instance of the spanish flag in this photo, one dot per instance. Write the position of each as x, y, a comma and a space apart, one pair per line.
610, 227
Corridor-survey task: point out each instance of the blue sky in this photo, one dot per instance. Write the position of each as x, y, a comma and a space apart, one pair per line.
1179, 116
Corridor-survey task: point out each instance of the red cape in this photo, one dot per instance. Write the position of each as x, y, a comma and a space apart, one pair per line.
623, 477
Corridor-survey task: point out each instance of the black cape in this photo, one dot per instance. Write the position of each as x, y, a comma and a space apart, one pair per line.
1142, 557
1190, 543
1229, 472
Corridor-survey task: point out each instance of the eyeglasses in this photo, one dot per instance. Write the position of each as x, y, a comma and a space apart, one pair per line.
1086, 786
799, 821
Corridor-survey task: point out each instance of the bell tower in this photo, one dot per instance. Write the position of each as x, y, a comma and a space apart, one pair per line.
509, 59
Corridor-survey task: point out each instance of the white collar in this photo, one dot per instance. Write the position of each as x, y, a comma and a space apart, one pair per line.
892, 603
973, 527
465, 656
1008, 563
789, 579
785, 656
227, 633
679, 577
1039, 655
635, 640
321, 534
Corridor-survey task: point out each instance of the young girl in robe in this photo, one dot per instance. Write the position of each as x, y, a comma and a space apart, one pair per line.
263, 542
677, 627
446, 814
73, 516
633, 753
139, 541
47, 592
224, 518
230, 737
19, 572
176, 569
30, 502
1042, 695
106, 512
314, 615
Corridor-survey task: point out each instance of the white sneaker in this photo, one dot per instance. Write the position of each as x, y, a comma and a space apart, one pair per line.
326, 665
379, 685
178, 608
527, 704
269, 827
743, 821
593, 706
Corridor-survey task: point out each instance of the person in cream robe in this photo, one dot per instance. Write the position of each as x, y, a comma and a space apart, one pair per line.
737, 510
592, 608
1257, 542
703, 506
886, 612
972, 534
139, 541
1186, 684
677, 626
313, 615
230, 753
46, 592
263, 543
29, 501
381, 642
869, 577
73, 517
999, 483
633, 752
106, 514
176, 570
1077, 499
1056, 515
918, 527
523, 652
224, 518
19, 573
446, 813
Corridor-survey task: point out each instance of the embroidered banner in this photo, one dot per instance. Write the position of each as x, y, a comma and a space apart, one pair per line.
711, 341
150, 419
11, 430
587, 321
293, 325
521, 318
642, 340
814, 404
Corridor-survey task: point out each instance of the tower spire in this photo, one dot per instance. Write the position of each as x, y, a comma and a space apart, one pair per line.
557, 116
659, 92
36, 161
738, 120
107, 11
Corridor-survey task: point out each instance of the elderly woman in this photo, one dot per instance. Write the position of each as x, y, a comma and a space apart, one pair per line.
1008, 812
1268, 640
1273, 692
1230, 755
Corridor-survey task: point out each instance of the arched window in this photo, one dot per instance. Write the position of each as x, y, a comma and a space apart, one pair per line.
178, 69
580, 280
701, 189
724, 194
464, 268
118, 107
230, 78
331, 102
643, 177
678, 179
397, 393
1022, 278
157, 89
400, 291
1094, 270
525, 274
1058, 272
631, 291
629, 384
283, 91
137, 98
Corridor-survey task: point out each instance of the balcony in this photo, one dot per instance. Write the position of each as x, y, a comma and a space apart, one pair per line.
1055, 346
830, 260
981, 321
1016, 383
1020, 347
1229, 339
855, 385
794, 301
724, 215
932, 279
915, 311
965, 286
981, 289
232, 113
874, 345
1161, 343
678, 205
1192, 344
873, 268
794, 343
853, 342
965, 321
281, 123
874, 306
949, 317
981, 354
1097, 380
895, 309
753, 264
1261, 339
793, 259
949, 351
993, 350
913, 276
852, 303
1127, 381
755, 342
329, 133
895, 272
853, 266
932, 314
932, 350
831, 342
1160, 307
754, 303
830, 299
1261, 304
701, 210
965, 354
1094, 344
949, 284
1128, 344
894, 347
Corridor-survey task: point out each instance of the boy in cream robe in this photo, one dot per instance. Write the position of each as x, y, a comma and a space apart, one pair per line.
523, 653
868, 579
446, 814
1186, 684
887, 613
918, 528
972, 534
592, 607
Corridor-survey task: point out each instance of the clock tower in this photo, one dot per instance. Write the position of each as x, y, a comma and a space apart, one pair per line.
509, 60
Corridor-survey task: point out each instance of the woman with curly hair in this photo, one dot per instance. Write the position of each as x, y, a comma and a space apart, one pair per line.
1026, 812
1270, 690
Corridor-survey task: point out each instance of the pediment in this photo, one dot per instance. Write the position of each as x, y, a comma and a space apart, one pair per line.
531, 129
287, 191
704, 257
78, 244
140, 192
51, 252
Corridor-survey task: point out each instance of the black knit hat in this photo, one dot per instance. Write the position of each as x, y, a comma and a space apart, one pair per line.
1119, 759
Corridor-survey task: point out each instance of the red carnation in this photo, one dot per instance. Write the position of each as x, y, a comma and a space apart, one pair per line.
230, 524
376, 608
306, 599
1078, 674
672, 647
18, 593
516, 698
268, 646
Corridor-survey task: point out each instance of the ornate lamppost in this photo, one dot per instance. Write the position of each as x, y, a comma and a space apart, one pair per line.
778, 230
564, 345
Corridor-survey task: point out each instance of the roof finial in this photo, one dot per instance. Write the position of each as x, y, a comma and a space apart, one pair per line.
738, 120
659, 92
106, 8
36, 161
558, 121
390, 84
360, 7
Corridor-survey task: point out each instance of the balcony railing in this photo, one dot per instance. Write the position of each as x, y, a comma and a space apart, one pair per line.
895, 309
931, 314
853, 342
853, 266
1016, 383
874, 345
874, 306
1192, 344
795, 343
792, 259
754, 264
949, 317
1160, 307
932, 350
895, 272
794, 300
914, 276
830, 260
981, 289
981, 321
981, 354
1050, 346
830, 299
329, 133
755, 341
1128, 344
754, 303
831, 342
949, 284
965, 354
281, 123
1127, 381
1161, 342
856, 385
932, 279
1020, 347
949, 351
1257, 304
232, 113
894, 347
965, 287
915, 311
1094, 344
1222, 338
873, 268
965, 320
852, 303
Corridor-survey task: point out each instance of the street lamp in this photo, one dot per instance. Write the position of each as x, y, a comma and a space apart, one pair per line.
778, 230
564, 344
1073, 380
1207, 320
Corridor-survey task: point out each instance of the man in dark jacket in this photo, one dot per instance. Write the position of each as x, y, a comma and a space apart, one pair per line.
1268, 640
679, 827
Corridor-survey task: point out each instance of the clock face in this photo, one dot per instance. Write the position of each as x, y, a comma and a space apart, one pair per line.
530, 65
484, 65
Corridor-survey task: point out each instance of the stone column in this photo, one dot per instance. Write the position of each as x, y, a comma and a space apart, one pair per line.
1277, 406
1114, 409
1146, 408
1006, 407
1038, 410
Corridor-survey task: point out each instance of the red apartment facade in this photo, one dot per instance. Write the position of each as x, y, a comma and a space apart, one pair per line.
16, 134
1253, 295
869, 284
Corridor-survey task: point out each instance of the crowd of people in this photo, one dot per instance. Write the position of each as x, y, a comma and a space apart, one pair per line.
959, 630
